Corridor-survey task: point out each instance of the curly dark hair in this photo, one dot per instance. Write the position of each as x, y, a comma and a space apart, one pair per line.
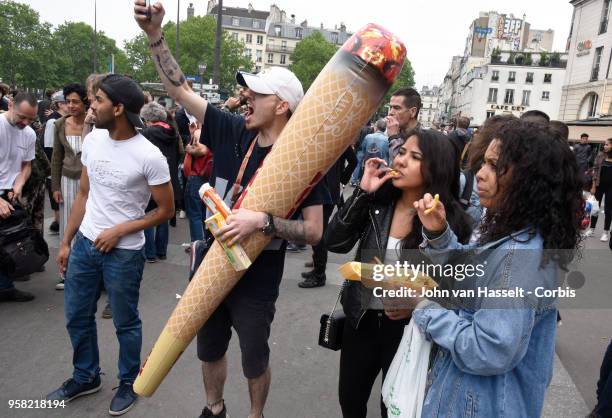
542, 189
78, 89
440, 171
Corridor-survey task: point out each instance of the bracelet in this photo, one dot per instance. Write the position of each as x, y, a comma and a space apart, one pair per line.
159, 42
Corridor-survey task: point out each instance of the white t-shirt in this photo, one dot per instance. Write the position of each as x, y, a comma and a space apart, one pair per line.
16, 145
120, 173
49, 135
394, 248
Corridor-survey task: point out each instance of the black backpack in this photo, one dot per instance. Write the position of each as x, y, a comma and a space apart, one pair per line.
23, 249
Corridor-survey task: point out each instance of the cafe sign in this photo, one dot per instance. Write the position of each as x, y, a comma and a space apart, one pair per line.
508, 108
584, 48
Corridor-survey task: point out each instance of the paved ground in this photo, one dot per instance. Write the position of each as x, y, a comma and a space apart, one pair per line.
36, 356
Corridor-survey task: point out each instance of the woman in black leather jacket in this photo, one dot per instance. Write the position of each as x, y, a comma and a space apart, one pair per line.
380, 216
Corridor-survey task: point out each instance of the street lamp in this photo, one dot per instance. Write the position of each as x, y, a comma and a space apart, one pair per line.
202, 68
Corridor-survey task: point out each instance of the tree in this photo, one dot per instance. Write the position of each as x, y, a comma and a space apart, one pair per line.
197, 38
26, 58
310, 56
70, 41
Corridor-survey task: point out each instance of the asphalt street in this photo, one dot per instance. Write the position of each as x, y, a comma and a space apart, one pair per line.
35, 354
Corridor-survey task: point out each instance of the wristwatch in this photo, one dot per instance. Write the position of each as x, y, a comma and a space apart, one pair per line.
269, 229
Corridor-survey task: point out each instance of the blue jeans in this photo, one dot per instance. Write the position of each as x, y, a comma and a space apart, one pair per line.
195, 208
121, 272
357, 172
156, 241
6, 283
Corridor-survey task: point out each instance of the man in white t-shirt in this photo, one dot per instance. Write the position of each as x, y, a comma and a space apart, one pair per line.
17, 141
121, 171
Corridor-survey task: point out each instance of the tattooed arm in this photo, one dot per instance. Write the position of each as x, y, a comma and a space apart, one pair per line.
307, 231
167, 67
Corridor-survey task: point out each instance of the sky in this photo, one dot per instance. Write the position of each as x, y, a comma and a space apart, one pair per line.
433, 30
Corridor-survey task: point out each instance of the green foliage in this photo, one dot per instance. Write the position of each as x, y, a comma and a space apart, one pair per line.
197, 44
33, 55
511, 58
544, 59
555, 58
310, 56
69, 42
25, 56
495, 54
528, 60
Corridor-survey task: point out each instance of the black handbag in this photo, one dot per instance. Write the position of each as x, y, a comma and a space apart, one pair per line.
332, 326
23, 249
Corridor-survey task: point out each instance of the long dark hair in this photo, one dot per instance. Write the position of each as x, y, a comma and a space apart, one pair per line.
542, 189
440, 172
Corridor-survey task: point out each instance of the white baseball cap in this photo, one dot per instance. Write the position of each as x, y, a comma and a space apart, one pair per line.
274, 80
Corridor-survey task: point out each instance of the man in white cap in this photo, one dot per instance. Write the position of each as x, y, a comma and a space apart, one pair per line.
239, 145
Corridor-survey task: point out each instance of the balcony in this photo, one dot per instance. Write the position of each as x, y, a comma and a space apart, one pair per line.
279, 48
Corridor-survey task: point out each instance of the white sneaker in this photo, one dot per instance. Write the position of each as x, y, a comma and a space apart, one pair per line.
60, 284
182, 214
605, 237
589, 232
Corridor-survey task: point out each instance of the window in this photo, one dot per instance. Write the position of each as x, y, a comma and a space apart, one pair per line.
248, 53
596, 63
259, 39
235, 21
277, 30
298, 33
490, 114
495, 76
249, 38
258, 55
334, 37
593, 101
255, 24
270, 58
257, 68
512, 76
283, 59
509, 99
235, 36
545, 95
526, 97
283, 45
529, 78
603, 25
548, 78
492, 96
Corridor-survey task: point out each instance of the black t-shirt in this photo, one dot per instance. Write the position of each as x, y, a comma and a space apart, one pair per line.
605, 177
229, 140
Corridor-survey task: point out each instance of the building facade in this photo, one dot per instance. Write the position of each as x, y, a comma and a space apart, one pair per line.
429, 111
270, 37
247, 25
587, 93
507, 67
504, 87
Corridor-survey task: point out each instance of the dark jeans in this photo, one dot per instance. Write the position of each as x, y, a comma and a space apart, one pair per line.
121, 272
319, 251
365, 352
604, 386
6, 283
604, 194
156, 241
195, 208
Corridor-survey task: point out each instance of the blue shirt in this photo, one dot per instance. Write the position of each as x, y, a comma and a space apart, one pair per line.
496, 356
376, 145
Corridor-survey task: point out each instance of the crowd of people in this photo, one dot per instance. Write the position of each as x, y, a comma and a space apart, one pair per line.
118, 167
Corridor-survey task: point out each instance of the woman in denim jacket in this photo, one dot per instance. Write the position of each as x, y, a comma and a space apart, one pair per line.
495, 356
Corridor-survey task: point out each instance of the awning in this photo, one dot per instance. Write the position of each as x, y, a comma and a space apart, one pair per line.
598, 130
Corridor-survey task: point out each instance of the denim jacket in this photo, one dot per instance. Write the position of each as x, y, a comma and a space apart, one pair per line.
495, 357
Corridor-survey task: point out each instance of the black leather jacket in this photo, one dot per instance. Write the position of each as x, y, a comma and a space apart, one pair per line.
362, 218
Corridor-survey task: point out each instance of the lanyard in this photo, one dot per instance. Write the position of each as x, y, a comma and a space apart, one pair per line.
236, 188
